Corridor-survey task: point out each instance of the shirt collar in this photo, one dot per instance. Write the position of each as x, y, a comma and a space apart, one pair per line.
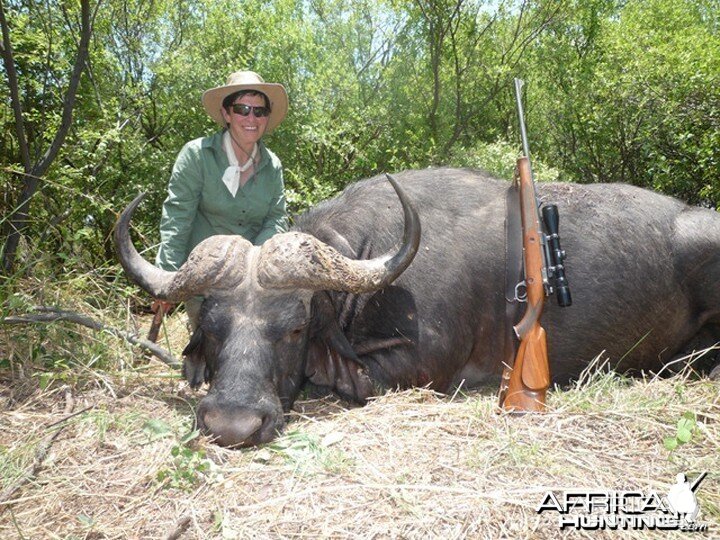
215, 143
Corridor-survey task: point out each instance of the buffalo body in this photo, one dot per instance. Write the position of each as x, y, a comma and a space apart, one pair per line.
643, 268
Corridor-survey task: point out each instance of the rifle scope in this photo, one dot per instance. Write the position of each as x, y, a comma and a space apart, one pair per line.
551, 217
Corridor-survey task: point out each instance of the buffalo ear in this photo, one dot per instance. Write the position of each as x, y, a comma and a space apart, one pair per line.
194, 366
331, 360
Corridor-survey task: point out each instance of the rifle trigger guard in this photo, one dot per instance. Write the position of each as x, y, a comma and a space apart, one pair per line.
521, 292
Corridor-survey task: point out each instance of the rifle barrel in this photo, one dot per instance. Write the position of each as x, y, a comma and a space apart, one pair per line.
526, 147
521, 113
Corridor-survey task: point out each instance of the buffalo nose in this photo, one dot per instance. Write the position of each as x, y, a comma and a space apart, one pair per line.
238, 426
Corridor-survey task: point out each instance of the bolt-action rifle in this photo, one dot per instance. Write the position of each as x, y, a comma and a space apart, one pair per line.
525, 383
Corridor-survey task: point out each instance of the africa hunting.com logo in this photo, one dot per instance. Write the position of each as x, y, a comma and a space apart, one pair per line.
593, 510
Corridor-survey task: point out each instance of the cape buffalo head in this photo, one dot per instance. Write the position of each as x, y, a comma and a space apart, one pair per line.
266, 323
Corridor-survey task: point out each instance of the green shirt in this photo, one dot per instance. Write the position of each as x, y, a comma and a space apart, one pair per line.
199, 205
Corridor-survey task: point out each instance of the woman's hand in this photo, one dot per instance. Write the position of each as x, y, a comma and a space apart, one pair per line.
163, 306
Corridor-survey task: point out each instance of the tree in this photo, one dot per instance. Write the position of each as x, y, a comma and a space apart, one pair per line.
617, 90
627, 91
36, 163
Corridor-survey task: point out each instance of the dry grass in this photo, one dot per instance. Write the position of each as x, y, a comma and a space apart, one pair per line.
408, 465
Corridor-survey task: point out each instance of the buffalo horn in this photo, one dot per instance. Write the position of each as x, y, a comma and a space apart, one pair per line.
298, 260
217, 260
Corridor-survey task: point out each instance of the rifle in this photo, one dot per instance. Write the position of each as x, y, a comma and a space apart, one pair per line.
525, 383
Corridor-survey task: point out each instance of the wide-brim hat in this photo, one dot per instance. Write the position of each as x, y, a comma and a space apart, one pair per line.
247, 80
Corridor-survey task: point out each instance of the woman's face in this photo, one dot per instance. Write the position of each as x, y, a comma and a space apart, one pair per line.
246, 130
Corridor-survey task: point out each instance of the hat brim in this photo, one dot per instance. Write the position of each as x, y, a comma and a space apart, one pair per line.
212, 101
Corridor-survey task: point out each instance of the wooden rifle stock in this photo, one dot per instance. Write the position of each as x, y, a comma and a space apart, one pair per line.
524, 384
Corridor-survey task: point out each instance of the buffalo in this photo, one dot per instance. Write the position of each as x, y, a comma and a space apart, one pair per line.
336, 303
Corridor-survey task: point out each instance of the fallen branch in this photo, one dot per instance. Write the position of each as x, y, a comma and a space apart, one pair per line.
51, 314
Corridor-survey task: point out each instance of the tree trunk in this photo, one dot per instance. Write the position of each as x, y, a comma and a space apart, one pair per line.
16, 226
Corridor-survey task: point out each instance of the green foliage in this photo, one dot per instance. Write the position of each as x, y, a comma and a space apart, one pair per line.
56, 353
188, 465
616, 91
685, 430
156, 429
309, 454
628, 92
499, 159
13, 462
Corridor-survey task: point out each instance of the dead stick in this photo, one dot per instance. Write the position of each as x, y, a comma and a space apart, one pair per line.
156, 323
180, 528
51, 314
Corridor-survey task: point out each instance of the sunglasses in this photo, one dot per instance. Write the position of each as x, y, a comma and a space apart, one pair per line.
244, 110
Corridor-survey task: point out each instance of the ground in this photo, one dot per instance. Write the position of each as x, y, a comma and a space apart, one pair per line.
117, 459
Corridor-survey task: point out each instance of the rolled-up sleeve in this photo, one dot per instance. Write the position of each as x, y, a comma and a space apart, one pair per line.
180, 208
276, 219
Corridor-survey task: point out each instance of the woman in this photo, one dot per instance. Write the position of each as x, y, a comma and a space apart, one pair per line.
228, 183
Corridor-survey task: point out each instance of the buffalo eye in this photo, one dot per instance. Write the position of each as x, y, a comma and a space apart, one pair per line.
297, 332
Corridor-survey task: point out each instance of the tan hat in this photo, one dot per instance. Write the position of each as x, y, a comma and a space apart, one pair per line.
247, 80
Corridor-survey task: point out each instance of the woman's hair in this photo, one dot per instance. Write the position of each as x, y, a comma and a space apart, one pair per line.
228, 101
